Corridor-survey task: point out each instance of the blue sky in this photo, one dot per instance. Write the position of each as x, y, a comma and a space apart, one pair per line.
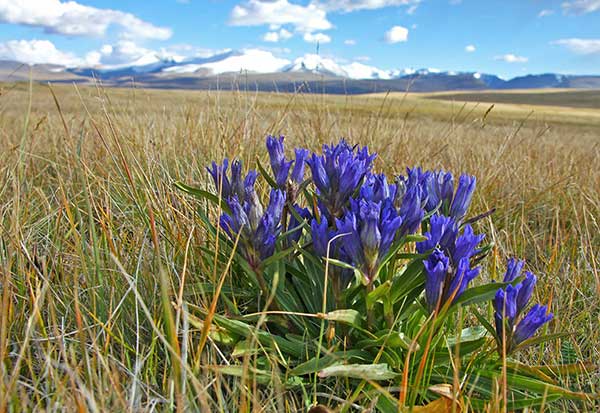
508, 38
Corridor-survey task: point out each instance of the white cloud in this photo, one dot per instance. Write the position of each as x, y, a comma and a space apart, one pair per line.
581, 6
511, 58
305, 19
275, 37
36, 52
74, 19
470, 48
545, 12
353, 5
396, 34
362, 58
316, 38
580, 46
350, 42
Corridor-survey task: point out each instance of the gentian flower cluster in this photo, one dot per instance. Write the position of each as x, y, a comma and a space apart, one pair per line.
448, 268
440, 191
258, 227
280, 166
509, 305
366, 216
338, 174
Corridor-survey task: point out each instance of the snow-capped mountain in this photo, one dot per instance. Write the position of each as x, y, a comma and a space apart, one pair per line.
264, 71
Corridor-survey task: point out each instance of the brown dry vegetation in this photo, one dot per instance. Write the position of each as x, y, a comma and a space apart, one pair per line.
90, 225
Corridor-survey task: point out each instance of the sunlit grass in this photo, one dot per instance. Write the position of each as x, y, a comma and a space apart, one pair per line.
99, 253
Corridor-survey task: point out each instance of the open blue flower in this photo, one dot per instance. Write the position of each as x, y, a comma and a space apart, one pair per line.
439, 187
448, 269
236, 185
338, 173
369, 229
510, 303
279, 165
258, 227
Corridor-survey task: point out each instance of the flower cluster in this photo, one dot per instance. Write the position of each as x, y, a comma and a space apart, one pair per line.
356, 216
448, 267
258, 227
509, 305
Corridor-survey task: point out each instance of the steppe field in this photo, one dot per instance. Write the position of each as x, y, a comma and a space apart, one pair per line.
99, 251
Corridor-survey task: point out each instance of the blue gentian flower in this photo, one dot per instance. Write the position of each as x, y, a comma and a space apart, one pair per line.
321, 235
294, 224
369, 230
440, 190
338, 173
411, 211
234, 186
279, 165
258, 227
440, 193
450, 256
462, 198
219, 175
376, 188
527, 327
298, 171
510, 303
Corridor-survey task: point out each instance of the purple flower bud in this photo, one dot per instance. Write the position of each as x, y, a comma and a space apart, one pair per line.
535, 318
298, 171
444, 236
280, 167
258, 228
440, 188
462, 199
294, 224
370, 229
338, 173
436, 270
513, 270
320, 235
219, 175
525, 291
510, 302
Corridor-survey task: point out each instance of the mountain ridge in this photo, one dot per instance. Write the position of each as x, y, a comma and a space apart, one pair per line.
256, 69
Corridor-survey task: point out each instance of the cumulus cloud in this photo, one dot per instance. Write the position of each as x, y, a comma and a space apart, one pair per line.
74, 19
277, 36
37, 52
581, 6
470, 48
350, 42
316, 38
305, 19
396, 34
580, 46
511, 58
353, 5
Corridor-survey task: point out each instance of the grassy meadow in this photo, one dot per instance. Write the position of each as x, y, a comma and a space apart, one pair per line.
98, 250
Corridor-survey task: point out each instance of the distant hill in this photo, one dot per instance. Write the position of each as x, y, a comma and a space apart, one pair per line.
259, 70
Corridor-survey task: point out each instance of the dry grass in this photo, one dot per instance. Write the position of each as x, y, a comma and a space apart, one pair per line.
92, 227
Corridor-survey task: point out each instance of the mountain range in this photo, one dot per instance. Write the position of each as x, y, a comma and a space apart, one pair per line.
255, 69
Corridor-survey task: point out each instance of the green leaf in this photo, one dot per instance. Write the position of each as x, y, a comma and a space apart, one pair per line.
540, 339
379, 292
315, 364
351, 317
277, 257
359, 371
266, 175
467, 334
202, 194
481, 293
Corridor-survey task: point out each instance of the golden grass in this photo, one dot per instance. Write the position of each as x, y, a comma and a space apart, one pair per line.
93, 231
